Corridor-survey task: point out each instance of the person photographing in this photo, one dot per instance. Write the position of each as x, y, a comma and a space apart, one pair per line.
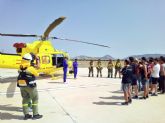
28, 87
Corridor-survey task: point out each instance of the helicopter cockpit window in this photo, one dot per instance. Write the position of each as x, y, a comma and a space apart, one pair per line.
45, 59
57, 59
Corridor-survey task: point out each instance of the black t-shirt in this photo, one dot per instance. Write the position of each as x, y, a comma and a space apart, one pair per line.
127, 72
134, 68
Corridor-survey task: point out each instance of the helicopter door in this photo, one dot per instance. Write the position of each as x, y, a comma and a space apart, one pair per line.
57, 60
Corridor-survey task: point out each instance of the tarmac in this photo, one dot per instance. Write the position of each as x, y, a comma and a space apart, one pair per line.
82, 100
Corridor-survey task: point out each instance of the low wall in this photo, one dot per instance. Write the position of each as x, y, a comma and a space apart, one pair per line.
85, 63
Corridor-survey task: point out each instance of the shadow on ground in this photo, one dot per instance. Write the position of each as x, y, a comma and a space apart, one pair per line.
107, 103
7, 80
10, 108
118, 92
8, 116
11, 90
113, 97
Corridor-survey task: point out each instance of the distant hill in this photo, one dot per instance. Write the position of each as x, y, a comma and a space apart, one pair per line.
146, 55
107, 57
83, 57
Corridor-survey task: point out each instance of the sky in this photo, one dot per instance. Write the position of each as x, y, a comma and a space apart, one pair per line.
129, 27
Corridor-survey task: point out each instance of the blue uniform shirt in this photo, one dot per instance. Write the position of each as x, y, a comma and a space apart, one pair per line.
75, 64
65, 64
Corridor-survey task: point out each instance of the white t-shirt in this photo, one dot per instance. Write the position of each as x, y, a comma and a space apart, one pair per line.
156, 70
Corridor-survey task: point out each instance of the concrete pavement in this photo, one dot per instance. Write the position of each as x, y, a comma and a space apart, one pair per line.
84, 100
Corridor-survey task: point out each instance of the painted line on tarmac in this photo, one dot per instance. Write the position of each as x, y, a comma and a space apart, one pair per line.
62, 107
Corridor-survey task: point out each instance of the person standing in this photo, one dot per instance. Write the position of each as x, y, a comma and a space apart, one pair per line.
75, 68
26, 81
65, 69
162, 74
134, 76
126, 82
91, 65
110, 69
118, 68
99, 68
144, 78
155, 77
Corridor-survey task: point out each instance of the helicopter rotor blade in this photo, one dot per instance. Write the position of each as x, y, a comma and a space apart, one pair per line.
52, 26
19, 35
78, 41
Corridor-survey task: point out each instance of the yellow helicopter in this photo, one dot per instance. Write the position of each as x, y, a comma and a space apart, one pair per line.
46, 59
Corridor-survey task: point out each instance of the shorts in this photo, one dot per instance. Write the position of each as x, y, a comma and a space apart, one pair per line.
145, 82
126, 86
150, 80
154, 80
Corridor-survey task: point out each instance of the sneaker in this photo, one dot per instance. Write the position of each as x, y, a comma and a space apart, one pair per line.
38, 116
147, 96
154, 94
142, 98
135, 97
130, 101
124, 103
27, 116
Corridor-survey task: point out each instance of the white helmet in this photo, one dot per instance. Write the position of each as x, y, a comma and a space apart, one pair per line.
28, 57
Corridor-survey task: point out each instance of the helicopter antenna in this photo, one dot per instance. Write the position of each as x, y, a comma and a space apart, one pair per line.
51, 27
78, 41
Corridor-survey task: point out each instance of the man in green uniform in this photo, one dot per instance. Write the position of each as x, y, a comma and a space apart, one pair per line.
91, 68
26, 82
110, 68
99, 68
118, 68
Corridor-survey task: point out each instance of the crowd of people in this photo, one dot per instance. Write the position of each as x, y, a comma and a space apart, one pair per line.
110, 67
143, 74
147, 75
